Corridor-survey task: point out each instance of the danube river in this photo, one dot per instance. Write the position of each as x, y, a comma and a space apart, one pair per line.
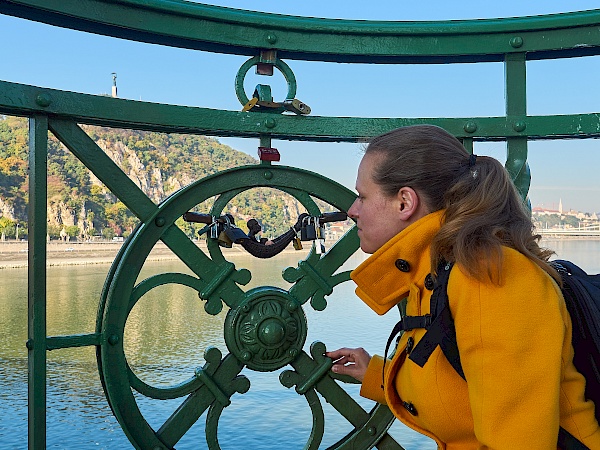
165, 339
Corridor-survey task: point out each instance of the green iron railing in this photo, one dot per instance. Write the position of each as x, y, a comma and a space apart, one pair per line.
269, 40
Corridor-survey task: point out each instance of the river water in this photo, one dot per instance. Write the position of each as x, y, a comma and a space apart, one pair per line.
165, 338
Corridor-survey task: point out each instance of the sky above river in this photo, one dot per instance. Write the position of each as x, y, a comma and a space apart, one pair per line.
43, 55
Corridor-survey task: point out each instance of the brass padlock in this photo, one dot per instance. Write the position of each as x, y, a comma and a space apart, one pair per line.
224, 240
251, 104
296, 106
297, 243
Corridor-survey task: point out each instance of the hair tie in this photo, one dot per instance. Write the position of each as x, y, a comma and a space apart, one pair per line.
472, 159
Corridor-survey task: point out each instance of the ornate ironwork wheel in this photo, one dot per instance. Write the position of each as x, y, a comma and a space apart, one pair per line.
265, 327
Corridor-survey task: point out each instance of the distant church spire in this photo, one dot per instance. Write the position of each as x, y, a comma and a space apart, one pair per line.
114, 86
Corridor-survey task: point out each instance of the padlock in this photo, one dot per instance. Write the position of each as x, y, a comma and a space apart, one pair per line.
224, 240
215, 230
251, 104
297, 243
308, 232
235, 234
296, 106
319, 247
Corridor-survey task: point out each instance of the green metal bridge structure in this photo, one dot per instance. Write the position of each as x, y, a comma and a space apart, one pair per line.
275, 317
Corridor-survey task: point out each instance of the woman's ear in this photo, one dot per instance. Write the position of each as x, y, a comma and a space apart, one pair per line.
409, 204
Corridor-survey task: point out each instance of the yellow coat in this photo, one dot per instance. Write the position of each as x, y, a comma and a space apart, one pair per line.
515, 346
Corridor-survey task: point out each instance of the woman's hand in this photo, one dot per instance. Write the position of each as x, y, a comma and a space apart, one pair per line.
350, 361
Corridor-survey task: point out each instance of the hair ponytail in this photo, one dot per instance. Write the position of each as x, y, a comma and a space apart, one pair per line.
483, 210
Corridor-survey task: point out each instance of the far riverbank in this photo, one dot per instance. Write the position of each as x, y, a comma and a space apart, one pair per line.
13, 254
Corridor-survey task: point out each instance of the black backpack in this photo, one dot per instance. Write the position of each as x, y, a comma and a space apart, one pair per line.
582, 297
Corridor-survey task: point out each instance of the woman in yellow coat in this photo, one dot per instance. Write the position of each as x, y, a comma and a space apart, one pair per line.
421, 199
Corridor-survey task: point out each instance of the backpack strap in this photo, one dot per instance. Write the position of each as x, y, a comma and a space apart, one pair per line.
441, 331
567, 441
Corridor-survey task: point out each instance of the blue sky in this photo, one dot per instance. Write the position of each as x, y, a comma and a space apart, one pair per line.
47, 56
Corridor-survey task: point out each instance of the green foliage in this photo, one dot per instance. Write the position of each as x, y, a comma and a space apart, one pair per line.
173, 156
108, 233
72, 231
54, 231
555, 220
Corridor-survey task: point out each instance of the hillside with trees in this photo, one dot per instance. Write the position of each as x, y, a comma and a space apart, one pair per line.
80, 206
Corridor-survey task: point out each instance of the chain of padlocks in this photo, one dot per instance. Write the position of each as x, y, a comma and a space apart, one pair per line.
226, 233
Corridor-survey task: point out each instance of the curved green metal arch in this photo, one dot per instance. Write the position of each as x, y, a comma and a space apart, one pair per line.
197, 26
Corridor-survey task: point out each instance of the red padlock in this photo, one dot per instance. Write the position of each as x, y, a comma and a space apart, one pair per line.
268, 154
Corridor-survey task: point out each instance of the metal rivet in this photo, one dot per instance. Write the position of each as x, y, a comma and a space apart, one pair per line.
29, 344
246, 307
372, 431
519, 126
293, 352
402, 265
113, 339
160, 221
271, 38
470, 127
270, 123
516, 42
43, 100
268, 175
246, 355
291, 306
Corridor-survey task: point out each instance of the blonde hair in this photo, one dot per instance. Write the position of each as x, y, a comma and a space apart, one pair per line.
483, 210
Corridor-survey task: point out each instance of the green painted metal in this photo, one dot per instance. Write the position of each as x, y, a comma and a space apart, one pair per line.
77, 340
36, 342
516, 107
265, 326
285, 70
18, 99
224, 30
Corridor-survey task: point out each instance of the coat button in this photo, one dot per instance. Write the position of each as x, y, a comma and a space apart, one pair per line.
410, 408
402, 265
409, 345
429, 282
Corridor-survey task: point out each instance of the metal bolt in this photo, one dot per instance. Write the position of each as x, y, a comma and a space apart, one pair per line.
160, 221
43, 100
113, 339
29, 344
470, 127
246, 355
519, 126
291, 306
372, 431
271, 332
516, 42
268, 175
270, 123
271, 38
293, 352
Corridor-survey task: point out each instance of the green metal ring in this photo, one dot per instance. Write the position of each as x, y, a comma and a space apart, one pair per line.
285, 70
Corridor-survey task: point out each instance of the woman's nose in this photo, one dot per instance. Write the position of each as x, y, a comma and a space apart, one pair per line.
352, 212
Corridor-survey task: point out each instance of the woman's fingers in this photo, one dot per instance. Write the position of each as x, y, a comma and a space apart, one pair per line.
350, 361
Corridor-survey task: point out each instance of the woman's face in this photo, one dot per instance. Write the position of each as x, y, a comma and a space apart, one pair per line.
375, 212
